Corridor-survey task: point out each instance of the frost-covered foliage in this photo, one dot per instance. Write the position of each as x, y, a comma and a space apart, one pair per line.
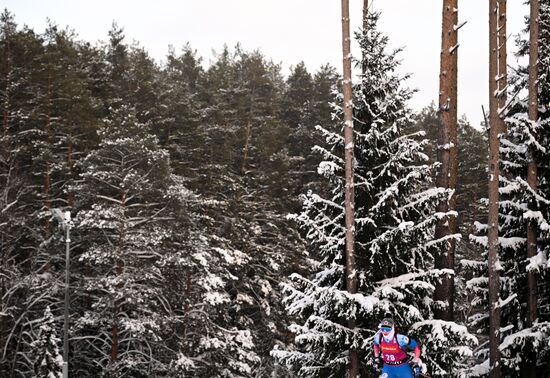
522, 346
142, 253
395, 218
123, 227
180, 202
48, 361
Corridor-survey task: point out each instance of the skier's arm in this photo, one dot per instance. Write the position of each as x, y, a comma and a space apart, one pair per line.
376, 346
417, 352
407, 342
416, 345
376, 359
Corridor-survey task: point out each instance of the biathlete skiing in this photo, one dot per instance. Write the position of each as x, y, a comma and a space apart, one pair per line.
393, 347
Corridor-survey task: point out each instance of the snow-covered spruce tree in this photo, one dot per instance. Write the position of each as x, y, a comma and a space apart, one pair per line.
48, 362
522, 346
395, 218
526, 345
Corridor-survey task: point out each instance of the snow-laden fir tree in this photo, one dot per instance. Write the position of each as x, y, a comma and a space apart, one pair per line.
523, 347
395, 218
48, 362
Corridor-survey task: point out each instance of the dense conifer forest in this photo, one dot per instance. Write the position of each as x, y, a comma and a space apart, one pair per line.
207, 204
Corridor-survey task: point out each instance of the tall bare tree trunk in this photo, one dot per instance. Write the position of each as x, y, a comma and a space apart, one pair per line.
6, 105
532, 167
502, 62
532, 232
494, 145
351, 276
446, 153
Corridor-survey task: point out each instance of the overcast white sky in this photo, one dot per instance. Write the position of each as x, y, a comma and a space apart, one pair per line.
290, 31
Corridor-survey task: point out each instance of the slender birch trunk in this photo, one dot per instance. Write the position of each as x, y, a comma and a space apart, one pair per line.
447, 153
351, 277
494, 145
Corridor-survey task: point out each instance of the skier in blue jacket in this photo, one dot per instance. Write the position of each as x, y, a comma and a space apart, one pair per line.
393, 348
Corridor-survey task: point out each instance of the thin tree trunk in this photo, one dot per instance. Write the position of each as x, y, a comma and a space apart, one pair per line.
248, 134
502, 62
351, 274
119, 270
47, 173
47, 163
453, 156
447, 153
494, 145
532, 232
6, 105
187, 305
532, 166
365, 28
365, 14
246, 146
70, 163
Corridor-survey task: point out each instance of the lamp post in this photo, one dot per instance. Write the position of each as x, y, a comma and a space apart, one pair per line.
64, 219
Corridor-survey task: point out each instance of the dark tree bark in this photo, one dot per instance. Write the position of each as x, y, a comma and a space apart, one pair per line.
447, 153
532, 165
365, 14
502, 62
47, 162
248, 134
492, 240
365, 27
119, 270
351, 277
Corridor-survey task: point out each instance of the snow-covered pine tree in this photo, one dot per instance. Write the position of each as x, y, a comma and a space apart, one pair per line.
395, 218
522, 346
182, 109
121, 224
